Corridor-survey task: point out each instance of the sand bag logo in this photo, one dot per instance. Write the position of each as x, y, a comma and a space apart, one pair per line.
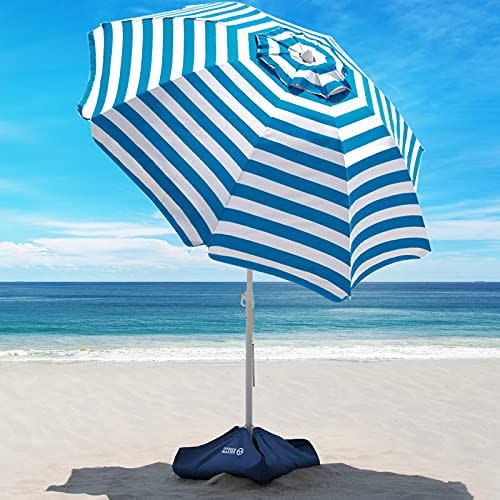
227, 450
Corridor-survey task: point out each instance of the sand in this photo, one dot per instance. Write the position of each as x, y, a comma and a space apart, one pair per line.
383, 430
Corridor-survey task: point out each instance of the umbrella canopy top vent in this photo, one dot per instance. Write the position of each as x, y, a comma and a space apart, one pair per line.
260, 139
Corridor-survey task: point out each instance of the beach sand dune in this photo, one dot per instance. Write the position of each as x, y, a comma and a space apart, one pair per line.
383, 430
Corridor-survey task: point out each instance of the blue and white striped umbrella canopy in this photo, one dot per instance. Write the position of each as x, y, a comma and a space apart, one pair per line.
260, 139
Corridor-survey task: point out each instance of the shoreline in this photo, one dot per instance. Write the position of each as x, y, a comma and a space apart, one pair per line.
434, 419
163, 349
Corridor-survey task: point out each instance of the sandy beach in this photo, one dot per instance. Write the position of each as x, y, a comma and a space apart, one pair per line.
383, 430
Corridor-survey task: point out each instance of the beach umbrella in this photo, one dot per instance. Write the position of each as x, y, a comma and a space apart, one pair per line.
265, 142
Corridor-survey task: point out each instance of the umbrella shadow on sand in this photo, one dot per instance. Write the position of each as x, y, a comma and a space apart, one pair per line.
332, 481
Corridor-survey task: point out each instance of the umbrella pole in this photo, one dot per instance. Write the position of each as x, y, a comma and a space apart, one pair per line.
249, 353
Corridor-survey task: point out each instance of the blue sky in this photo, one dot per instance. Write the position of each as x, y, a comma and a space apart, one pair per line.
68, 213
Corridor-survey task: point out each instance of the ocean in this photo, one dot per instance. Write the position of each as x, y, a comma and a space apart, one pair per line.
204, 321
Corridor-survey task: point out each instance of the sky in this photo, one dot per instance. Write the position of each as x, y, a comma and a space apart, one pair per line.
67, 213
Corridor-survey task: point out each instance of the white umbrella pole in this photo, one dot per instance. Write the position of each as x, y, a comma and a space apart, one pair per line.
249, 357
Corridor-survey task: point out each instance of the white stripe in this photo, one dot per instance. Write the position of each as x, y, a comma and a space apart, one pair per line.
295, 195
188, 10
260, 129
225, 7
416, 179
247, 19
248, 149
311, 278
394, 122
243, 37
382, 215
416, 148
417, 252
409, 135
189, 191
177, 48
231, 13
368, 150
283, 244
385, 111
198, 132
269, 108
269, 213
378, 194
181, 149
199, 45
359, 127
401, 132
299, 170
324, 108
157, 54
215, 117
89, 106
386, 236
130, 163
376, 171
136, 60
114, 70
220, 44
376, 108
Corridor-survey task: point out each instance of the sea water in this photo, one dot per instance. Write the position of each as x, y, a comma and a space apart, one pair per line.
204, 321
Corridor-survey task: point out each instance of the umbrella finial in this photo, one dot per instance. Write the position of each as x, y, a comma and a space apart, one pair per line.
307, 56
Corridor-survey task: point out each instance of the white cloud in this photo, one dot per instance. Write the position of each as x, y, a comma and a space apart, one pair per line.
464, 229
111, 229
465, 220
116, 253
443, 266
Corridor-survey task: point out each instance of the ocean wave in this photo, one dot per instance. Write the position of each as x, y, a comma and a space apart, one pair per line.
348, 351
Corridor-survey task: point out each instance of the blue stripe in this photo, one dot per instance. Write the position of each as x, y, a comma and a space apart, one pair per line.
389, 246
275, 272
90, 82
125, 62
378, 182
108, 46
263, 143
160, 178
206, 124
391, 123
413, 140
280, 256
382, 204
364, 138
417, 164
298, 183
386, 225
166, 63
384, 263
289, 206
188, 47
188, 172
288, 232
405, 135
147, 55
271, 97
210, 45
279, 124
189, 140
373, 161
149, 193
